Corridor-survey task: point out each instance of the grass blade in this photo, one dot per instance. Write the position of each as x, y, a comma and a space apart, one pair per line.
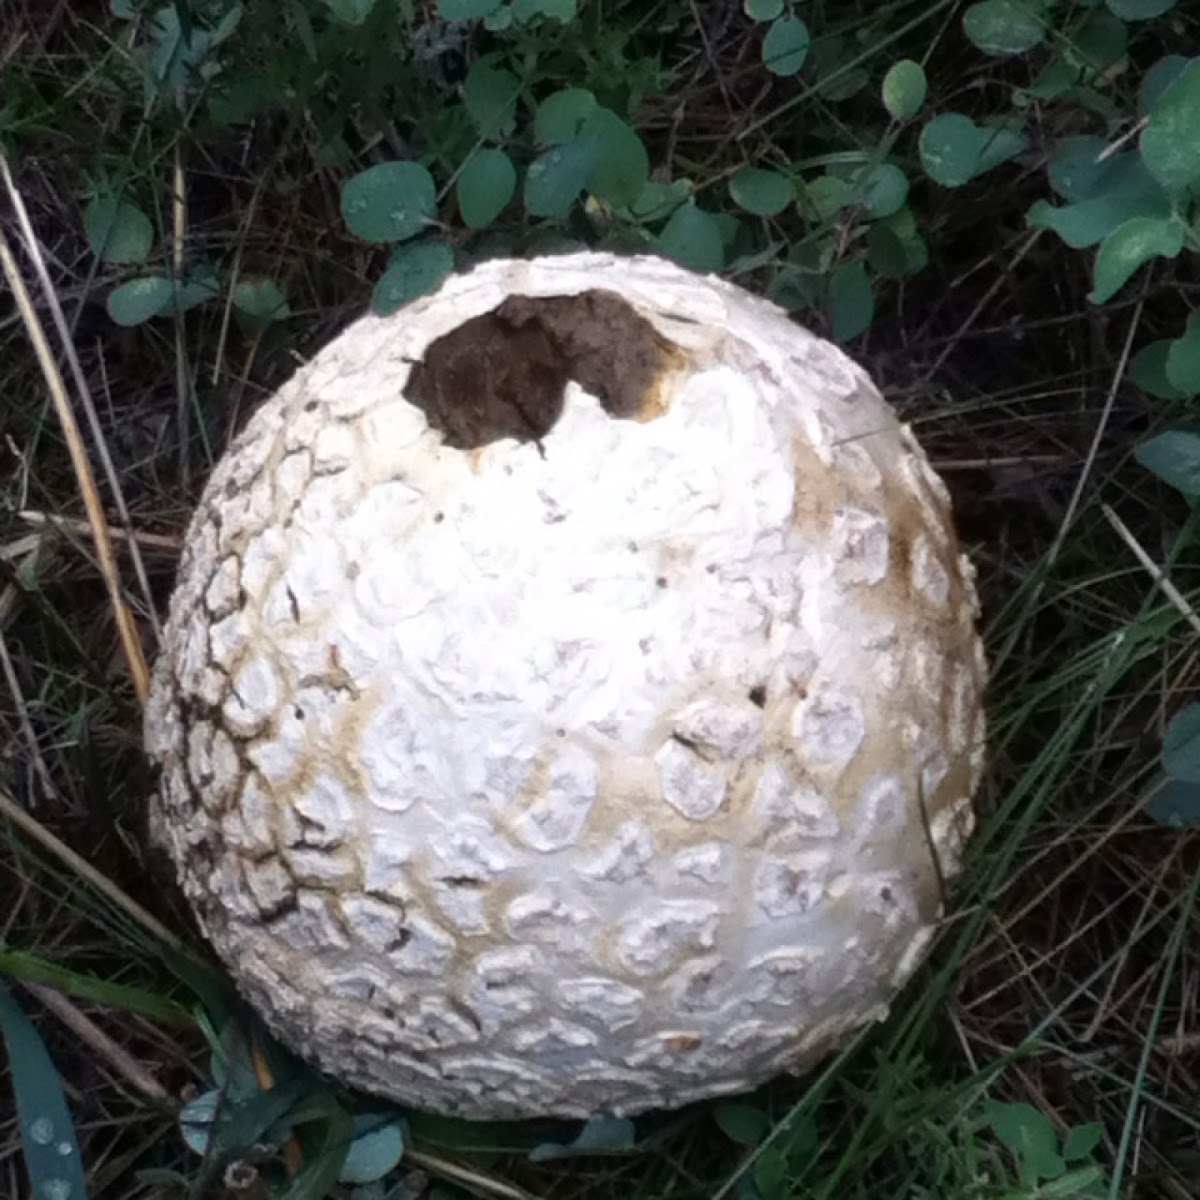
47, 1130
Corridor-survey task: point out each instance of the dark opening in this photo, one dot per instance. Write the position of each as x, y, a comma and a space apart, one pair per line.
503, 374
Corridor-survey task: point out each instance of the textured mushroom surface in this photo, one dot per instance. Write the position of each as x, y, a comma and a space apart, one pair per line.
604, 760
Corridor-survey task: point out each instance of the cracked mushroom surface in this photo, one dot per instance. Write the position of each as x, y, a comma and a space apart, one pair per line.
570, 702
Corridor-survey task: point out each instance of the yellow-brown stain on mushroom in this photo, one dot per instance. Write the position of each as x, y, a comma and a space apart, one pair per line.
504, 374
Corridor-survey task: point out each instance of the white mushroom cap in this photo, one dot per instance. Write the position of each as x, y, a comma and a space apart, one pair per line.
589, 772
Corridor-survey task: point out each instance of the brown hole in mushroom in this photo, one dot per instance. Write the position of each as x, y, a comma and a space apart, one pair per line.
503, 374
758, 695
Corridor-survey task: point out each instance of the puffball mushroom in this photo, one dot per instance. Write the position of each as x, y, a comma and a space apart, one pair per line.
571, 699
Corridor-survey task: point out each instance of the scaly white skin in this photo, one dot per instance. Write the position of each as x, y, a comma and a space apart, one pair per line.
593, 780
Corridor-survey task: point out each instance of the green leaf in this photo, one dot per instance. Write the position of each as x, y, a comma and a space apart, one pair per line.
1158, 79
140, 299
998, 143
1077, 167
557, 176
48, 1140
498, 21
1099, 43
1139, 10
559, 116
562, 11
1181, 742
377, 1147
350, 12
622, 166
949, 149
389, 202
1126, 190
466, 10
490, 95
198, 1119
785, 46
693, 238
1083, 1139
324, 1154
1148, 370
763, 10
904, 89
1174, 457
825, 196
884, 190
260, 301
763, 193
742, 1123
117, 231
657, 201
1128, 247
1168, 143
599, 1135
1174, 802
1030, 1135
486, 184
414, 270
851, 301
1183, 359
1003, 27
771, 1171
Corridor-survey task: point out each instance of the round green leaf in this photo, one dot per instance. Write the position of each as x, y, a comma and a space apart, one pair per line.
414, 270
1183, 359
886, 252
763, 10
1030, 1135
1097, 44
1077, 166
376, 1149
693, 238
557, 176
466, 10
1181, 745
763, 193
656, 201
485, 186
622, 165
824, 197
1168, 143
1005, 26
998, 143
1174, 457
1129, 246
904, 89
851, 301
562, 11
1148, 370
1126, 189
1175, 802
598, 1135
1158, 79
1083, 1139
260, 301
559, 116
949, 148
785, 46
742, 1123
117, 231
884, 190
389, 202
1139, 10
140, 299
350, 12
490, 96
